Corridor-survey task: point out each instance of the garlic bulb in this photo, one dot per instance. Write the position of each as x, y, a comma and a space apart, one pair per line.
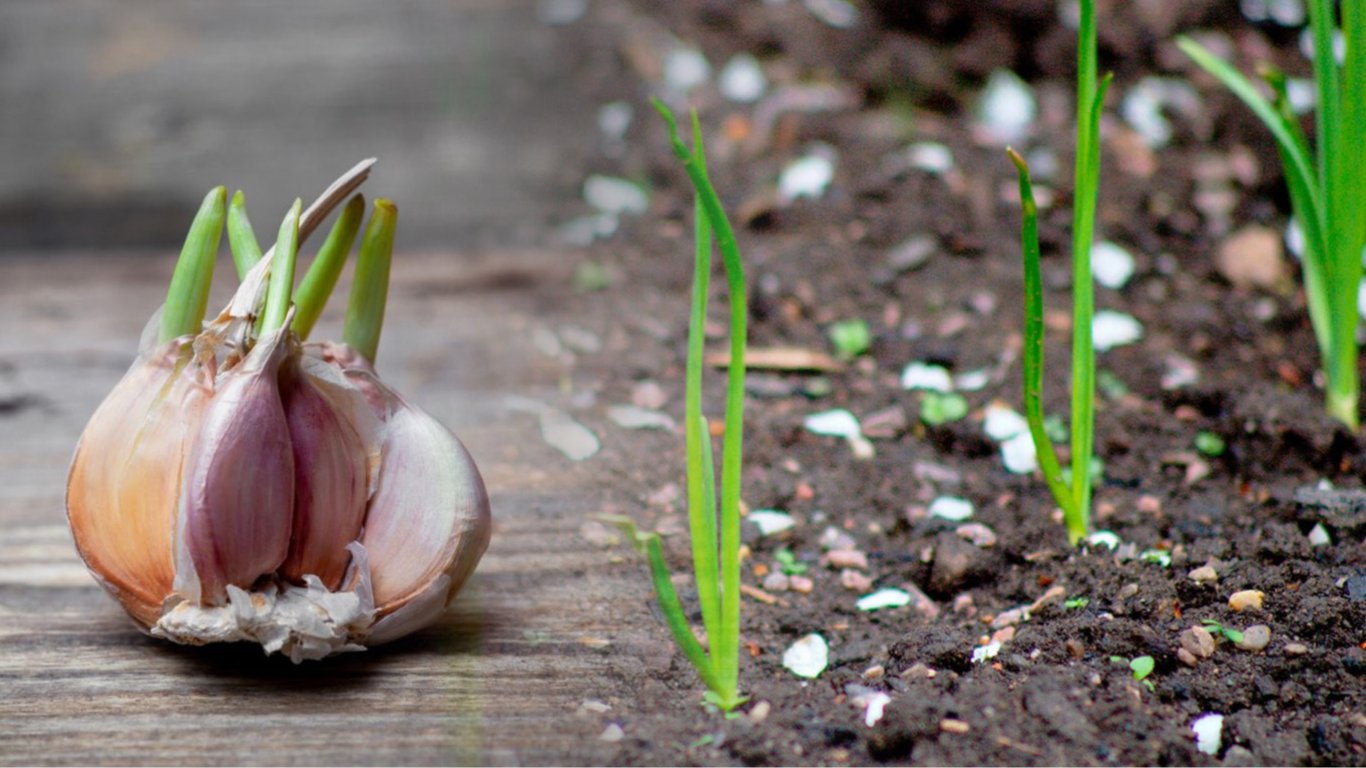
240, 485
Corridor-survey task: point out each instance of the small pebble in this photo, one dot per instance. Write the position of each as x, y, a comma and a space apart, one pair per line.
920, 375
1019, 454
1355, 586
1010, 618
918, 671
776, 581
771, 521
594, 706
884, 598
1252, 258
951, 725
855, 581
978, 534
1255, 638
1247, 599
685, 69
911, 254
984, 653
847, 558
801, 584
875, 672
951, 508
1318, 536
1296, 649
1203, 575
1006, 108
1198, 642
1208, 731
930, 157
833, 538
807, 657
742, 79
1186, 657
806, 177
1003, 635
614, 195
1111, 264
759, 712
612, 733
1110, 329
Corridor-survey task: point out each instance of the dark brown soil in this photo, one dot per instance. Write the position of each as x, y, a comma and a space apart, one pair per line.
1053, 695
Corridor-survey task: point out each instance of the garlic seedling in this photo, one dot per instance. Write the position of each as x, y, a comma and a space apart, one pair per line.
239, 484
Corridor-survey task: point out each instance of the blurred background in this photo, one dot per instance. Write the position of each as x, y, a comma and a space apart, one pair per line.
115, 118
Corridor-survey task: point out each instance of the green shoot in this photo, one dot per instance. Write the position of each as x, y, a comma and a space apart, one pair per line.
1072, 493
321, 278
1327, 192
241, 238
716, 559
1215, 628
370, 286
188, 297
282, 271
1076, 603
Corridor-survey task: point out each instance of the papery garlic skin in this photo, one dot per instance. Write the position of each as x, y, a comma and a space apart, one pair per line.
124, 485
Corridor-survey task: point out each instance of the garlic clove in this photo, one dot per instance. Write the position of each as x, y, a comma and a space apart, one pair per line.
237, 500
125, 478
335, 439
429, 517
428, 522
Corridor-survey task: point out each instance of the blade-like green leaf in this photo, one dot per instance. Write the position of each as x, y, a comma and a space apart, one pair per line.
370, 289
1033, 355
246, 251
281, 288
316, 287
188, 295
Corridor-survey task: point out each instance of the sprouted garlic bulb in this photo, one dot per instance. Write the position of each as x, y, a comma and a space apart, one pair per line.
239, 484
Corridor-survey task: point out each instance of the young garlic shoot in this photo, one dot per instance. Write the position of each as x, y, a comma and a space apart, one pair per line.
282, 271
1072, 494
187, 298
321, 278
716, 564
246, 251
1327, 189
370, 287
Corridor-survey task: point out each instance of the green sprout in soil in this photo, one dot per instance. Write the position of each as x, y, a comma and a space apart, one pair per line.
1209, 444
851, 338
1076, 603
1327, 189
788, 562
1219, 630
1140, 666
939, 408
1073, 494
716, 569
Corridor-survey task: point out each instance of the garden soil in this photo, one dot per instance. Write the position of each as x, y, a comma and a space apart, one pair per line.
1217, 355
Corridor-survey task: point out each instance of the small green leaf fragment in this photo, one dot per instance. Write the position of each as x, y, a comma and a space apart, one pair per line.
1110, 385
370, 288
1055, 428
188, 296
590, 276
1073, 603
788, 562
1210, 444
850, 338
1142, 666
938, 408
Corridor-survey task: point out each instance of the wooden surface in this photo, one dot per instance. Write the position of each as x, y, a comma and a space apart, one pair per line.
498, 682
